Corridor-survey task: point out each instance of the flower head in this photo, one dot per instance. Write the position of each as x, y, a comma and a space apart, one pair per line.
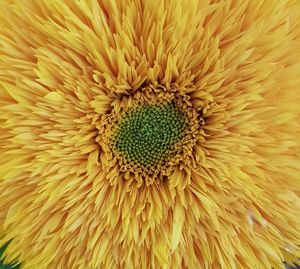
150, 134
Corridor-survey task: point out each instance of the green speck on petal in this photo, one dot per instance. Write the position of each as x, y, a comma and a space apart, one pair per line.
6, 266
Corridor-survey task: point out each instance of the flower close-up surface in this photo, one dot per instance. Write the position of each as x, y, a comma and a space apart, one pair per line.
149, 134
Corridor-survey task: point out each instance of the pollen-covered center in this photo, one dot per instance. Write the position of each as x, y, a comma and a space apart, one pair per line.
147, 135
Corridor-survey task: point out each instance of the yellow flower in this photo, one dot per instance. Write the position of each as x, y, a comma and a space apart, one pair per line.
150, 134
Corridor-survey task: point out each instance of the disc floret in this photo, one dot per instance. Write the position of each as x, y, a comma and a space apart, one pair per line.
147, 135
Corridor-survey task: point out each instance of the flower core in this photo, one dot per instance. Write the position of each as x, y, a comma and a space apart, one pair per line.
147, 135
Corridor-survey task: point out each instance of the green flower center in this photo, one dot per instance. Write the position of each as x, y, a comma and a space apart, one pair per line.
147, 135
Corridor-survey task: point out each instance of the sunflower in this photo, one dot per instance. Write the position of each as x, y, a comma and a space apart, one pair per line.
150, 134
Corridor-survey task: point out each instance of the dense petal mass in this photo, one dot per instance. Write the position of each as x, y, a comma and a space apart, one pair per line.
150, 134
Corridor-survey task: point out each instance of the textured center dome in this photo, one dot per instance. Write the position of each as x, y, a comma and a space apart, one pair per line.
147, 135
